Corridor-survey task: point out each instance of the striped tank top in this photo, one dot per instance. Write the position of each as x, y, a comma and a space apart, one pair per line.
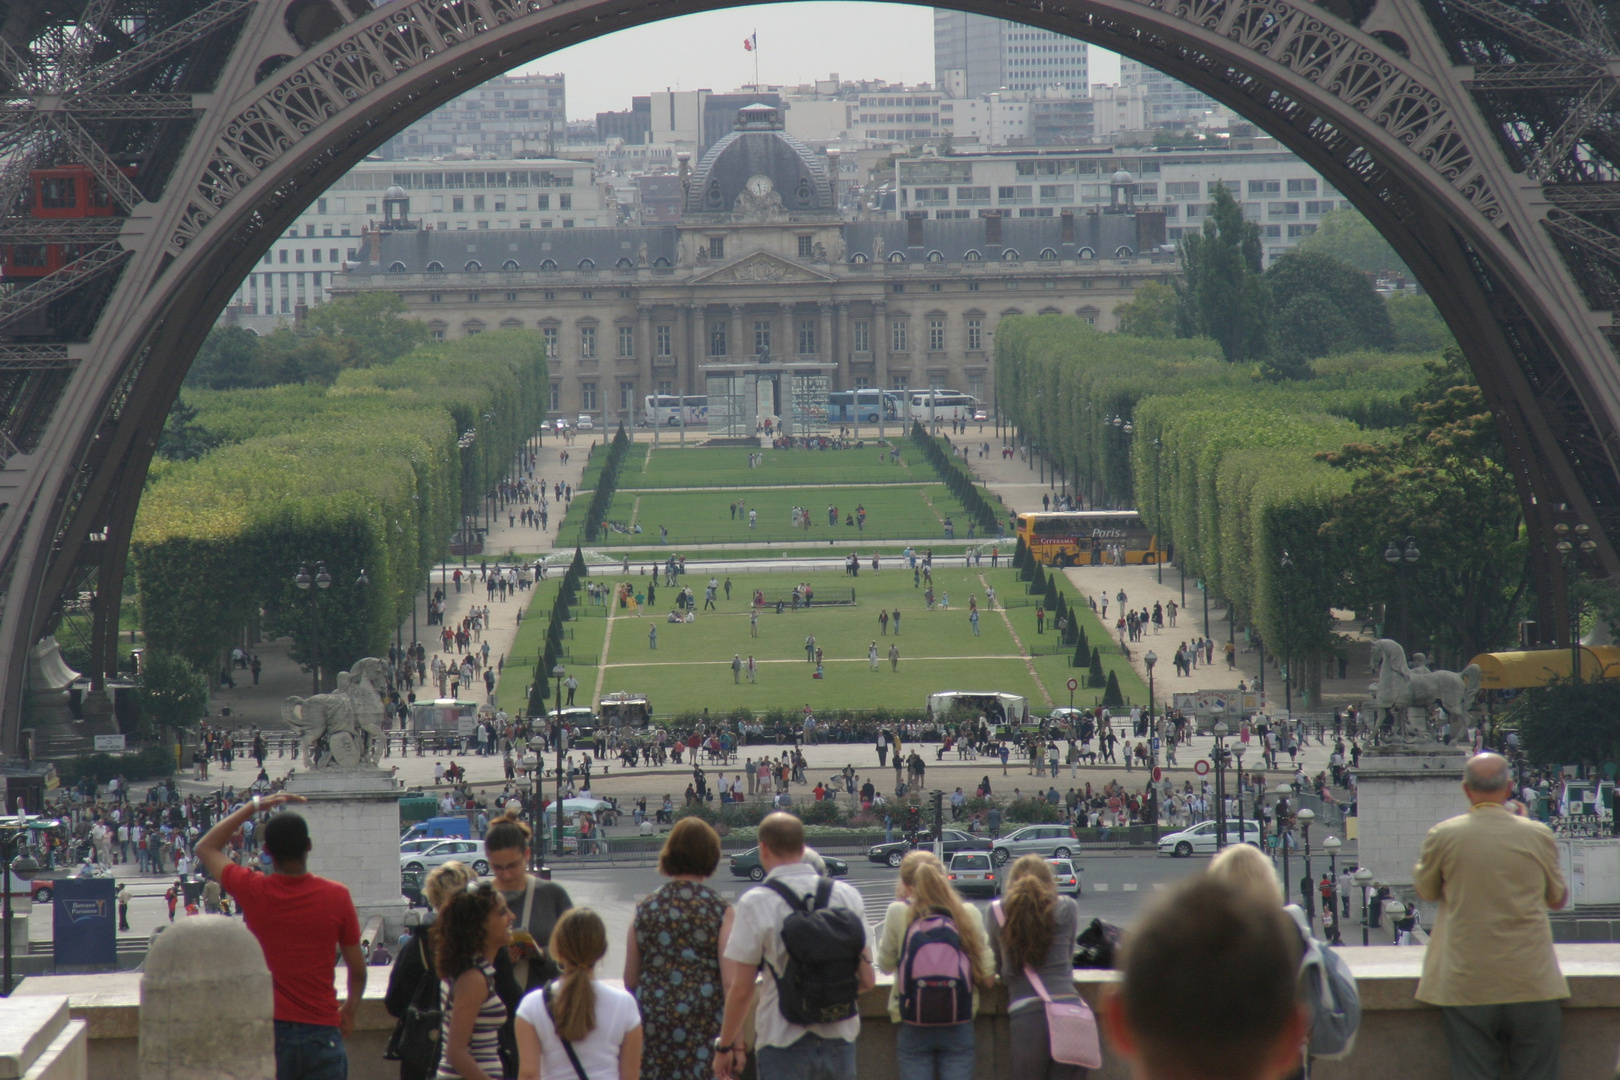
486, 1028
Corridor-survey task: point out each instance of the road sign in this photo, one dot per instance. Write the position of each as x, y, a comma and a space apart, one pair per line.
1158, 774
1201, 767
1074, 684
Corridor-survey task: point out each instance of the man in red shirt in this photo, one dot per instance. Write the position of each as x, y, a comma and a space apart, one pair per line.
301, 921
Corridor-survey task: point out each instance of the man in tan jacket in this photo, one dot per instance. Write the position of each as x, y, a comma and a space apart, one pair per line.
1490, 964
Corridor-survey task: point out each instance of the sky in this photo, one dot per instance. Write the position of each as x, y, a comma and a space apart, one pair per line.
798, 43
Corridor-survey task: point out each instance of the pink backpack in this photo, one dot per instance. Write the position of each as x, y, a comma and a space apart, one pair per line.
936, 976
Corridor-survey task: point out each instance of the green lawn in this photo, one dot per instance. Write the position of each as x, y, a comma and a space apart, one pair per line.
587, 627
690, 669
704, 517
670, 466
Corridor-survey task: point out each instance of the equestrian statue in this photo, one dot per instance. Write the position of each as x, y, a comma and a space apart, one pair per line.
1402, 687
343, 729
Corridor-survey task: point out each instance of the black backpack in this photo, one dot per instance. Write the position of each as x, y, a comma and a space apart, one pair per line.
418, 1037
820, 982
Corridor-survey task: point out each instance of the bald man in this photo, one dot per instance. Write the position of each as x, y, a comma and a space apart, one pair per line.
1490, 964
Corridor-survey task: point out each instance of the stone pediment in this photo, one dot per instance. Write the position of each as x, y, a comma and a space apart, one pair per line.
763, 267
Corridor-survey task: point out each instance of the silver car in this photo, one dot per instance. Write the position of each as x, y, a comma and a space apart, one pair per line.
470, 852
1048, 841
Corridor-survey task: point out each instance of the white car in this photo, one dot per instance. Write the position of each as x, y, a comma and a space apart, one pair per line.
1066, 874
470, 852
971, 872
411, 847
1200, 839
585, 423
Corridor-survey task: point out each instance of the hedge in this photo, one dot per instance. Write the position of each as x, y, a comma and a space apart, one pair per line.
373, 473
954, 475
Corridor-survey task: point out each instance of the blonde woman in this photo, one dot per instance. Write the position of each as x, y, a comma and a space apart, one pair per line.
933, 1051
1034, 928
579, 1017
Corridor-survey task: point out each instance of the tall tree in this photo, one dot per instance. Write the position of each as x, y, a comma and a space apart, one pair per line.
1221, 291
1351, 238
1417, 324
1445, 484
367, 328
1151, 313
1362, 318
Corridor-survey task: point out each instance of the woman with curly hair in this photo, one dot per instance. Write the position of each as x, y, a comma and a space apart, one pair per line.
473, 926
1034, 930
579, 1026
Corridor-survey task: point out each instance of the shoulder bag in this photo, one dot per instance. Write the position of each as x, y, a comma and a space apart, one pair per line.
568, 1047
1070, 1025
418, 1038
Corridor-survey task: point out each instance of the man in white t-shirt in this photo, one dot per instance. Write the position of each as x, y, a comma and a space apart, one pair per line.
784, 1051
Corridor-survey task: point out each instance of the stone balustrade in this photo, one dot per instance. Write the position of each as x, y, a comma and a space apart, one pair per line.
1399, 1036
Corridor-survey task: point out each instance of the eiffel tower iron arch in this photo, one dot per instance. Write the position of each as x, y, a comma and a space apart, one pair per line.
1478, 135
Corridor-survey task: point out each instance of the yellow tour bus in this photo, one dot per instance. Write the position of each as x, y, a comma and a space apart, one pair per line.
1089, 538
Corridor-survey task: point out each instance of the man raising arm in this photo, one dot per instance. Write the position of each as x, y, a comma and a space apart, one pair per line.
301, 921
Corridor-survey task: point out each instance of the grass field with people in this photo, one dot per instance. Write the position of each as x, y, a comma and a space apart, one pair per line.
690, 669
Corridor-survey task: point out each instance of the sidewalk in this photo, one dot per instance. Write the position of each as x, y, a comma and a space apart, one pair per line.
1018, 485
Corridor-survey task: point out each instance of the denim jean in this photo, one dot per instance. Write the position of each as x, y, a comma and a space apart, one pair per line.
935, 1053
811, 1058
310, 1052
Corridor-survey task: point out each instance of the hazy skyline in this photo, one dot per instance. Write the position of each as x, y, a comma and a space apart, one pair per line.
798, 43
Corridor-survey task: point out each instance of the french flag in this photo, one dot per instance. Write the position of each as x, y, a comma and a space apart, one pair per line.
751, 42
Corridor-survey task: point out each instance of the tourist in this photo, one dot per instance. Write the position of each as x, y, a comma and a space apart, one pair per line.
415, 967
932, 1050
474, 925
579, 1027
785, 1049
1490, 963
537, 905
672, 958
301, 921
1209, 932
1032, 935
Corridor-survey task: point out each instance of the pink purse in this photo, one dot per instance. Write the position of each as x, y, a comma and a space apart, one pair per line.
1071, 1026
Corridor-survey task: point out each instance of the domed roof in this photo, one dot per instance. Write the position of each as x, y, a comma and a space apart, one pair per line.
761, 161
1123, 176
395, 192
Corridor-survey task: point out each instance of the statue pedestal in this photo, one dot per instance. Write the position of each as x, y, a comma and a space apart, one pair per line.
1402, 792
354, 836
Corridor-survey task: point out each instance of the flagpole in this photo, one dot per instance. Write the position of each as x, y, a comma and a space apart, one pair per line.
757, 88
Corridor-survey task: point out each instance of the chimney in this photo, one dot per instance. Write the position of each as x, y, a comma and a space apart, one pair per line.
914, 229
1068, 227
992, 229
374, 246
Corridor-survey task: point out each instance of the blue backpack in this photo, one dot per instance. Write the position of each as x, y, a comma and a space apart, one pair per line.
936, 976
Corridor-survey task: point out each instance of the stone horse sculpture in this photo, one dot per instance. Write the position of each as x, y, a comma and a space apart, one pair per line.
1401, 688
342, 729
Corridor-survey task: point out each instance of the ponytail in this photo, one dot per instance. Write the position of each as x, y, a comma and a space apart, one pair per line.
578, 941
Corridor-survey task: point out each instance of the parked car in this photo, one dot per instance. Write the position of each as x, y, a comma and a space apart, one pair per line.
1052, 841
954, 840
971, 872
411, 847
980, 415
470, 852
1066, 874
585, 423
1200, 839
748, 865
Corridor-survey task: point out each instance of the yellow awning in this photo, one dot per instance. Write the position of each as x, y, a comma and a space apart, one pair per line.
1518, 670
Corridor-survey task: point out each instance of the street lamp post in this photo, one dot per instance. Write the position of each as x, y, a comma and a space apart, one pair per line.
1332, 845
1150, 659
1283, 791
1306, 815
1288, 648
322, 581
562, 746
1363, 879
1566, 549
1219, 754
1396, 555
1158, 511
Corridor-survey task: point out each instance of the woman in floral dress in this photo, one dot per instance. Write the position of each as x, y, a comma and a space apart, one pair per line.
672, 960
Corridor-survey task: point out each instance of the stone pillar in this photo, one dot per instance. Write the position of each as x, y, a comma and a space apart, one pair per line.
1402, 792
697, 340
734, 343
645, 351
207, 1008
839, 351
354, 838
824, 338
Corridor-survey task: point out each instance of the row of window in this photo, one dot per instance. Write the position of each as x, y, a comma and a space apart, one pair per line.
314, 255
973, 255
628, 397
719, 337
